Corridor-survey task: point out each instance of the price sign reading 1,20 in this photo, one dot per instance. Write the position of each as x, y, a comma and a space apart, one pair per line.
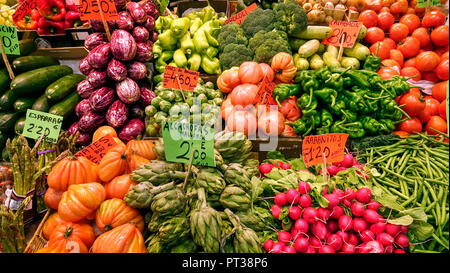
332, 146
180, 78
38, 123
89, 10
181, 138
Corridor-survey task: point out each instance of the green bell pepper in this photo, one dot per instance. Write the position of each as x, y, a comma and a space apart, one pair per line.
371, 125
210, 65
284, 91
179, 58
194, 62
200, 41
195, 25
327, 95
180, 26
211, 52
157, 49
211, 40
326, 118
163, 23
167, 40
186, 44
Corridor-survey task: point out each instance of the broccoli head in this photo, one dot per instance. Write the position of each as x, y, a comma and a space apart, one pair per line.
234, 55
290, 17
266, 44
257, 20
231, 33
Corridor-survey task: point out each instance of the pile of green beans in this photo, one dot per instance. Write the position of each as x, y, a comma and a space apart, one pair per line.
416, 169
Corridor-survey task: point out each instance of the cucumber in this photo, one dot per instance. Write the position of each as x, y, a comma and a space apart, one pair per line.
41, 104
26, 47
20, 123
314, 32
309, 48
37, 80
27, 63
62, 87
4, 79
65, 107
7, 100
7, 121
22, 104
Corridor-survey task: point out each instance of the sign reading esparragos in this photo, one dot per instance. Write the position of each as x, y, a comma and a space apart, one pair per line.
181, 138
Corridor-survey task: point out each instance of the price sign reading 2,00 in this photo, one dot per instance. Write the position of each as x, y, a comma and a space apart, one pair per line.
316, 152
39, 129
186, 147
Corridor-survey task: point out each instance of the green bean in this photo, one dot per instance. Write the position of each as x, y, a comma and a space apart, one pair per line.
424, 199
396, 174
432, 205
400, 162
433, 194
444, 203
399, 193
439, 240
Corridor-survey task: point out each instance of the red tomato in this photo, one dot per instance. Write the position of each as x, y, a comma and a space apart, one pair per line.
441, 50
443, 110
368, 18
385, 20
399, 7
401, 134
444, 56
411, 72
384, 9
392, 64
410, 126
387, 73
429, 47
411, 20
391, 43
439, 36
409, 62
433, 19
409, 47
374, 34
374, 5
422, 35
442, 70
437, 123
382, 48
427, 61
397, 56
398, 32
439, 91
430, 76
431, 109
414, 103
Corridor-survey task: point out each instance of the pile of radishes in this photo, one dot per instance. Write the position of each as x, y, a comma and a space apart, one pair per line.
348, 162
331, 229
266, 168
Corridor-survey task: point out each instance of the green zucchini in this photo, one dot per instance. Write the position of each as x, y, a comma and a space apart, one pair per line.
7, 121
65, 107
20, 124
62, 87
37, 80
7, 100
4, 79
41, 104
27, 63
22, 104
314, 32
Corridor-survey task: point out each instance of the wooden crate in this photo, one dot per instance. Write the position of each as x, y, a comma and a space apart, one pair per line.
38, 241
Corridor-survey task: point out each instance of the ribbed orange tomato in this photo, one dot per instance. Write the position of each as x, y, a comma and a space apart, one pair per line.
135, 161
123, 239
72, 170
52, 198
119, 186
113, 163
284, 67
114, 212
51, 223
103, 131
143, 148
70, 237
228, 80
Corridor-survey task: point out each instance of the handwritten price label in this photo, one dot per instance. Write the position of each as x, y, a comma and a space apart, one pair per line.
98, 149
239, 17
265, 91
38, 123
181, 138
24, 9
10, 40
187, 79
331, 145
89, 10
343, 28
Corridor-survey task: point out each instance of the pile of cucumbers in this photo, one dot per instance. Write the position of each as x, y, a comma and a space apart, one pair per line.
41, 84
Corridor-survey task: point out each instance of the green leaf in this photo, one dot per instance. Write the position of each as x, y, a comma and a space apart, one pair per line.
284, 213
257, 187
297, 164
306, 176
389, 201
422, 230
418, 214
405, 220
377, 191
290, 181
275, 155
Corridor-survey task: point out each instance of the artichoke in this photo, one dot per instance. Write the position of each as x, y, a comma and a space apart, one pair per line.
174, 229
236, 174
158, 172
159, 149
169, 202
211, 180
154, 244
245, 239
141, 195
233, 146
187, 246
235, 198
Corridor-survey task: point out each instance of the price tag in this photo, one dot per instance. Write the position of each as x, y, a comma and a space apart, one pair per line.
181, 138
89, 10
98, 149
340, 28
264, 95
10, 40
23, 9
37, 122
187, 79
239, 17
332, 145
162, 4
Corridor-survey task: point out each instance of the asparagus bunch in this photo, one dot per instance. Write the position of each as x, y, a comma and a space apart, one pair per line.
12, 233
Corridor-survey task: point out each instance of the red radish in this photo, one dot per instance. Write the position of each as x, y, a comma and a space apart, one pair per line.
289, 249
294, 212
303, 187
385, 239
399, 251
362, 248
309, 214
333, 199
339, 193
310, 250
392, 230
281, 199
319, 230
355, 161
377, 228
266, 168
359, 225
347, 203
284, 237
341, 169
326, 249
332, 170
345, 222
349, 194
295, 234
278, 247
276, 211
304, 201
363, 195
323, 214
314, 242
335, 242
373, 205
337, 164
301, 225
301, 244
375, 247
348, 248
357, 209
372, 216
292, 196
402, 241
404, 229
325, 190
352, 239
332, 226
358, 166
268, 245
344, 235
284, 166
367, 236
388, 249
348, 161
337, 212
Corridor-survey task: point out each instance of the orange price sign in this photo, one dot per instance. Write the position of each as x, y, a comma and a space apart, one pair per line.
23, 9
180, 78
264, 95
349, 30
89, 10
239, 17
98, 149
331, 145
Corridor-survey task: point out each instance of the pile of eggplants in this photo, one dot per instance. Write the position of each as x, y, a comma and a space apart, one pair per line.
116, 90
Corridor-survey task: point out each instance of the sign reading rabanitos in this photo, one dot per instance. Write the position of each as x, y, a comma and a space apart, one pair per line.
332, 146
340, 28
95, 151
239, 17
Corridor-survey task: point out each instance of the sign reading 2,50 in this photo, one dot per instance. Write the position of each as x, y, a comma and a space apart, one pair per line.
92, 6
187, 147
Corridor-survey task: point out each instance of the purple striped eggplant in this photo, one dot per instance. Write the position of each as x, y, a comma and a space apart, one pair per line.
100, 56
137, 12
101, 99
140, 34
128, 91
82, 108
123, 45
116, 70
137, 71
85, 89
117, 114
95, 39
132, 130
90, 121
144, 53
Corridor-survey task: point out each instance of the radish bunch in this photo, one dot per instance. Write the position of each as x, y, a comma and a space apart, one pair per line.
348, 162
266, 168
328, 230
